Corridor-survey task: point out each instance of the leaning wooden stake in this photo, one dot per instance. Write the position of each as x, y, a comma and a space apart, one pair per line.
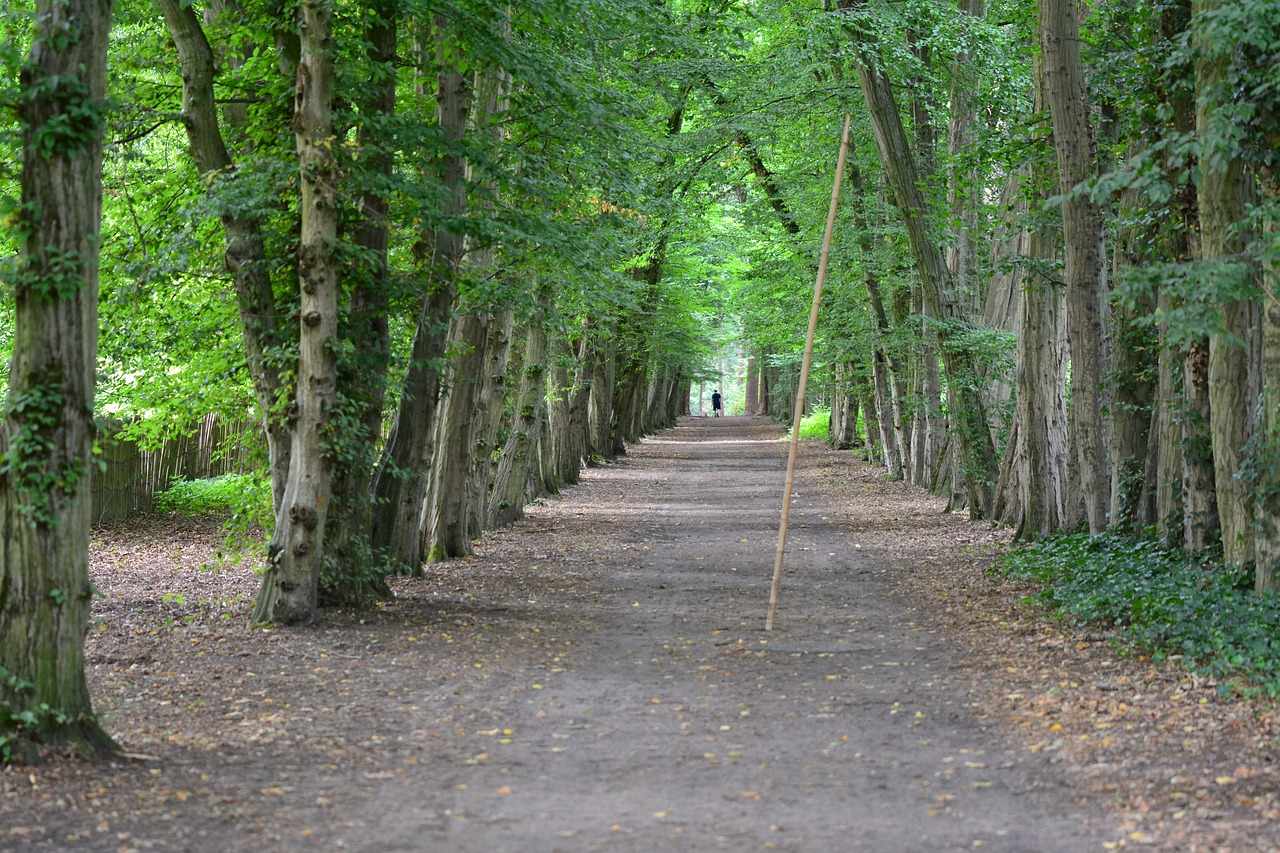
776, 588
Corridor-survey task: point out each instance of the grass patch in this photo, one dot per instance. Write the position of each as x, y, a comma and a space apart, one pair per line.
1164, 602
814, 426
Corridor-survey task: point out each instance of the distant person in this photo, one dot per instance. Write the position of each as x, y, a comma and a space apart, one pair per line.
717, 403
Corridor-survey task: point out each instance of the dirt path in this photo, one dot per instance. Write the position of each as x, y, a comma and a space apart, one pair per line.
597, 679
678, 725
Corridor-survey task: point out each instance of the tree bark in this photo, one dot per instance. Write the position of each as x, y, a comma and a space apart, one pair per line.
48, 430
488, 417
245, 248
511, 482
1222, 192
446, 530
289, 591
1073, 139
356, 575
1267, 573
401, 483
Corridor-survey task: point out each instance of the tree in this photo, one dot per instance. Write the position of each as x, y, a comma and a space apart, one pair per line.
1073, 140
49, 428
290, 586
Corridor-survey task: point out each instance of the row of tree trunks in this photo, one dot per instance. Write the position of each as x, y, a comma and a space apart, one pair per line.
978, 462
842, 433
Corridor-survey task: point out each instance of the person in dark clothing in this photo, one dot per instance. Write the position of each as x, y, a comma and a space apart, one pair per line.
717, 406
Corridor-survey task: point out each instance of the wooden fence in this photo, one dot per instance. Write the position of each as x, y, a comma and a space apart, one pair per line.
133, 476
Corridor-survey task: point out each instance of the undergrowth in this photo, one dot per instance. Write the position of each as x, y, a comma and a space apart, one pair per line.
1164, 602
815, 425
242, 496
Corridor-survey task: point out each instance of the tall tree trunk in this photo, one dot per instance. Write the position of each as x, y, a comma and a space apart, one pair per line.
871, 424
446, 530
245, 248
1133, 393
1073, 140
576, 438
601, 400
887, 416
362, 373
296, 552
1199, 495
1041, 419
1267, 575
401, 483
1222, 192
48, 429
488, 416
510, 486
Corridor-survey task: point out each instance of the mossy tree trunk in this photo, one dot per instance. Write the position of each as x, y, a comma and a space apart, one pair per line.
48, 428
290, 587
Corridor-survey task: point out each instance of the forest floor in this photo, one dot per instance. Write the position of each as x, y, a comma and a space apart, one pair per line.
597, 678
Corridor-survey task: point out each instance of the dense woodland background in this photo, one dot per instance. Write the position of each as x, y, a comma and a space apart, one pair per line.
437, 257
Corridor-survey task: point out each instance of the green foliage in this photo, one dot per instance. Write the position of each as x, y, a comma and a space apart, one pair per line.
26, 724
1165, 602
32, 460
244, 498
814, 426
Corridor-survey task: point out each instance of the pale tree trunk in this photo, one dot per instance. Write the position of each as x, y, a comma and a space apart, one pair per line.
244, 252
1066, 94
48, 430
1267, 575
886, 418
295, 554
401, 483
1168, 437
963, 200
1041, 419
510, 487
600, 411
1222, 192
576, 441
488, 417
974, 437
1199, 495
888, 372
558, 389
446, 531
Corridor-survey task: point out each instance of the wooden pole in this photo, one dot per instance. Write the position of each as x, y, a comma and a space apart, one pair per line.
775, 588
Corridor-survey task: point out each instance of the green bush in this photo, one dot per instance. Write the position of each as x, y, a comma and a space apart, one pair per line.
1164, 601
246, 498
815, 425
